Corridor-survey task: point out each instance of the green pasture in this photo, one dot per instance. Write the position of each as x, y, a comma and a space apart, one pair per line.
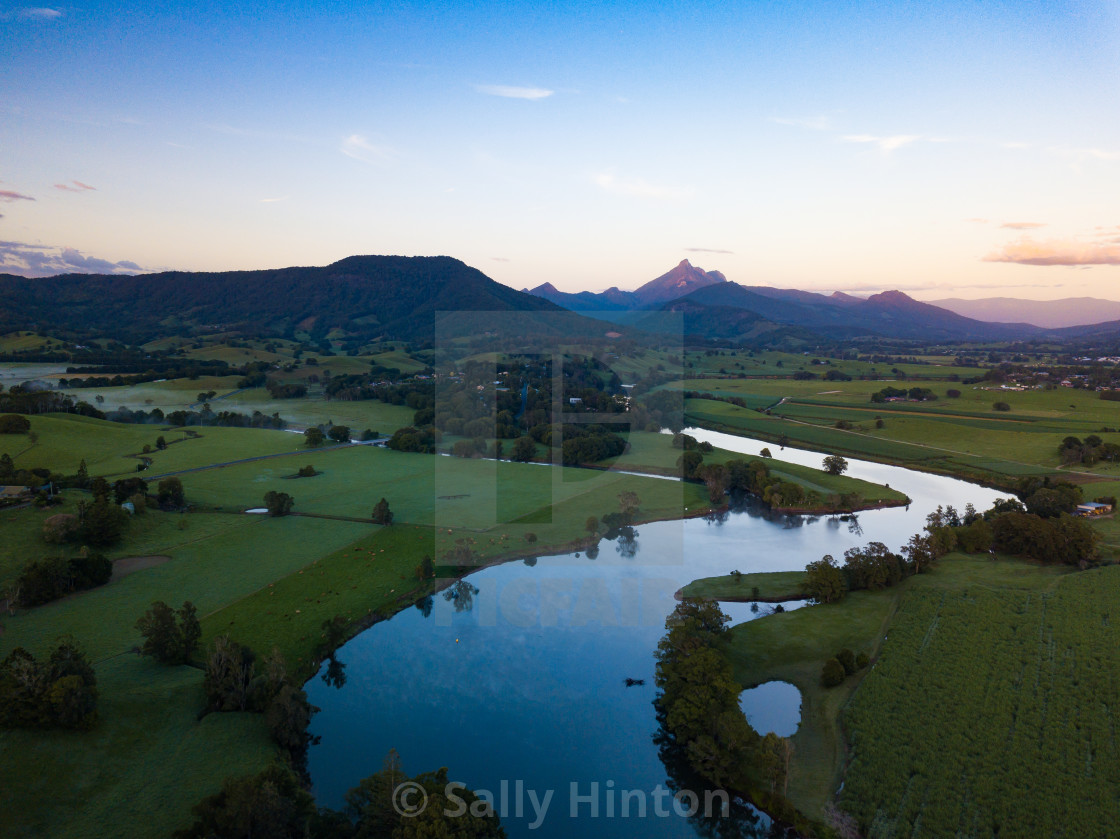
358, 415
109, 448
773, 587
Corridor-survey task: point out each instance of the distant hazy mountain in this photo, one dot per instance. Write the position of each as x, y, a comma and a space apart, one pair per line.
682, 280
715, 308
365, 297
890, 314
1052, 314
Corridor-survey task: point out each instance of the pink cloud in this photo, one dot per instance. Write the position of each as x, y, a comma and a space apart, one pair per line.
7, 196
1022, 225
78, 186
1057, 252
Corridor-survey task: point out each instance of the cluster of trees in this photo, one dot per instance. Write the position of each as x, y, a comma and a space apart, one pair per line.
278, 503
60, 692
44, 580
872, 567
914, 394
286, 391
1089, 451
698, 702
19, 400
317, 435
275, 804
170, 636
841, 666
413, 439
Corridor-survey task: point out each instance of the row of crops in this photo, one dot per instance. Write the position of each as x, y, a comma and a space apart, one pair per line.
992, 712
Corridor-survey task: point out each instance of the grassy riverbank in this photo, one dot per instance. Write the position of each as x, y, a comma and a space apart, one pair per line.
772, 587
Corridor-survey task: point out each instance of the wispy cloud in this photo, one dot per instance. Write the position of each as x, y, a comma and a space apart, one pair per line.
513, 92
1022, 225
39, 13
7, 196
1057, 252
75, 186
360, 148
275, 200
885, 144
47, 260
637, 187
707, 250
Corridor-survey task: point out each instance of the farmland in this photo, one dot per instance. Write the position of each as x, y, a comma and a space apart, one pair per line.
268, 582
1002, 633
1012, 679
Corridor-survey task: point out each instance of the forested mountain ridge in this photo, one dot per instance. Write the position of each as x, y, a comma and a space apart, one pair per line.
394, 297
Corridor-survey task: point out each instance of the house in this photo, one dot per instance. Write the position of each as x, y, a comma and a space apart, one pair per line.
9, 492
1093, 508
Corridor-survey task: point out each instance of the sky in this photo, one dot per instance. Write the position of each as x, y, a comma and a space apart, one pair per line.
952, 149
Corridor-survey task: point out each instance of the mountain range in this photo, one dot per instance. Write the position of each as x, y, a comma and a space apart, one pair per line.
1050, 314
713, 307
364, 298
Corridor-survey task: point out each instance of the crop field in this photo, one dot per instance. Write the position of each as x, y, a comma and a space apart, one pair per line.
793, 647
1011, 680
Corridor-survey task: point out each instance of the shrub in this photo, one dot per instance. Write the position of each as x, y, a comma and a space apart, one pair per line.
307, 471
1000, 406
833, 673
953, 393
60, 528
14, 424
847, 658
862, 661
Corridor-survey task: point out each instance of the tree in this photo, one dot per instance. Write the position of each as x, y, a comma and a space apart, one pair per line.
591, 525
278, 503
835, 465
688, 463
426, 570
169, 493
381, 513
125, 488
524, 450
832, 674
103, 523
848, 659
14, 424
313, 438
824, 581
715, 477
170, 637
1001, 406
82, 475
229, 672
339, 433
161, 443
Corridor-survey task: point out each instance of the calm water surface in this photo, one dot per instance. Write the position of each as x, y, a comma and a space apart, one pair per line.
520, 675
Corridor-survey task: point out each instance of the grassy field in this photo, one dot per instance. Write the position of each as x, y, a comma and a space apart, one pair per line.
773, 587
793, 647
268, 582
110, 448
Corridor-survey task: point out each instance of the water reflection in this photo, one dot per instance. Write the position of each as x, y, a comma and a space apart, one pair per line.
518, 672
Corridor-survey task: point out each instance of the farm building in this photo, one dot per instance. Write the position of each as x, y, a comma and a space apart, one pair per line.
9, 492
1093, 508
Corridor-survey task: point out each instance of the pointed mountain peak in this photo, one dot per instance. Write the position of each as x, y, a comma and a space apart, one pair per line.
681, 280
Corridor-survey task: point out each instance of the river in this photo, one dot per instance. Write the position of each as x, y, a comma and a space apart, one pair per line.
516, 681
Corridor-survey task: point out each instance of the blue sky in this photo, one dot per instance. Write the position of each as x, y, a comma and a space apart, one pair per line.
965, 149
